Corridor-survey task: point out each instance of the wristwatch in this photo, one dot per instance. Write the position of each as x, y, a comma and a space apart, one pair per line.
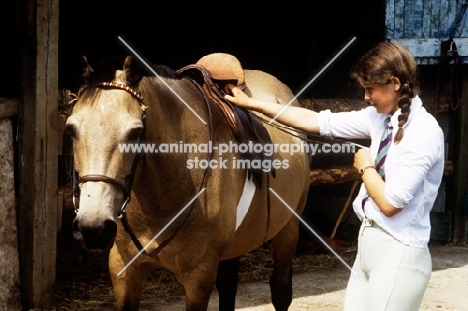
362, 170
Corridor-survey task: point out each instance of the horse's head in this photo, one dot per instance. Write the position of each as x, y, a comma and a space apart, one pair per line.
109, 112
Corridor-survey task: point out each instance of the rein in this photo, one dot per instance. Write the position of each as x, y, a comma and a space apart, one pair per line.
124, 219
126, 188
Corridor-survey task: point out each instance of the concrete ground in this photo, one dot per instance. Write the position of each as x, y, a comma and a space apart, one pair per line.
324, 289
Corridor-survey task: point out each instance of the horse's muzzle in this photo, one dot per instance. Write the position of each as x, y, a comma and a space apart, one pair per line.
95, 238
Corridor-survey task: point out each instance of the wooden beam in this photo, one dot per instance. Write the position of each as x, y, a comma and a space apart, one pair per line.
460, 233
334, 104
37, 156
8, 107
333, 175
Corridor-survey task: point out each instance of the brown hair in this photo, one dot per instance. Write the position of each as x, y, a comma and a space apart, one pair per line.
383, 62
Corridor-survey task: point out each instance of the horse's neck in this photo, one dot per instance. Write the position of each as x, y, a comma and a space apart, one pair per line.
170, 121
173, 107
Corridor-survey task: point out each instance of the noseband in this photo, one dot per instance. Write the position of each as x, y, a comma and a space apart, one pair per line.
126, 188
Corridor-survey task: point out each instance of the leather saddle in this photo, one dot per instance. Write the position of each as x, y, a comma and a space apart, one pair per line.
214, 72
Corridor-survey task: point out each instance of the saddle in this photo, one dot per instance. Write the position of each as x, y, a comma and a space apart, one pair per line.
214, 72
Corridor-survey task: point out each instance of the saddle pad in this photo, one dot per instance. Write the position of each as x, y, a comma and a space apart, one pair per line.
223, 66
245, 200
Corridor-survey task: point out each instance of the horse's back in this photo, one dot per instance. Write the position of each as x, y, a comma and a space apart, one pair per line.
264, 86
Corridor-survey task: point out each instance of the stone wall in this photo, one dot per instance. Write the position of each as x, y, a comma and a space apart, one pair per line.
9, 262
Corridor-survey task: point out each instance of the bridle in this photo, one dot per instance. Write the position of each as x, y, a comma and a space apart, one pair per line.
126, 187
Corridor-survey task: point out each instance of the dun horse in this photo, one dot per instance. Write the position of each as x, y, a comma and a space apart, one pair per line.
183, 206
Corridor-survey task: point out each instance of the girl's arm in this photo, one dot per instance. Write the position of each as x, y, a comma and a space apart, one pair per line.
296, 117
375, 186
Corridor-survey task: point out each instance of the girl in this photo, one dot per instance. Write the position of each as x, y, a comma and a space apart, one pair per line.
400, 180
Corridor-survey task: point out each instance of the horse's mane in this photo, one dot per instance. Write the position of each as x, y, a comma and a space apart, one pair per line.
105, 72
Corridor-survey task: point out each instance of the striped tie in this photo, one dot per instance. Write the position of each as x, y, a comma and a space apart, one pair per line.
385, 143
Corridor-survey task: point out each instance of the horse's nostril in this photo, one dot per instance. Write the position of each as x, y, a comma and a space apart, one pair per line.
109, 229
76, 231
96, 237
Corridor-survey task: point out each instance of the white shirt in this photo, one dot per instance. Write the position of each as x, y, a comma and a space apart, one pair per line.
413, 167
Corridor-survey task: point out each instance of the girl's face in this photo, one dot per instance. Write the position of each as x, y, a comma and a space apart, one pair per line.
384, 97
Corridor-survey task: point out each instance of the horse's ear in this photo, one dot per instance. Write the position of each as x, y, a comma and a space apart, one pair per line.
133, 71
83, 69
75, 71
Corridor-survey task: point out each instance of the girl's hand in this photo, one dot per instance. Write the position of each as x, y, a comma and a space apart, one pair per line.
363, 158
238, 97
374, 184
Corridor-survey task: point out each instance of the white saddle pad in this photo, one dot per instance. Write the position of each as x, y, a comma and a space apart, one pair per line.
245, 200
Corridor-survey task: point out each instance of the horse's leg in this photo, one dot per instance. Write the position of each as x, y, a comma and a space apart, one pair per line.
128, 286
226, 283
198, 283
284, 247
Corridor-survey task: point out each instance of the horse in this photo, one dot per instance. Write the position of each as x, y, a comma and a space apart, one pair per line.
182, 213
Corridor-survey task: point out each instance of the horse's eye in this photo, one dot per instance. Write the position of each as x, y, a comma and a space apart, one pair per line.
134, 134
70, 130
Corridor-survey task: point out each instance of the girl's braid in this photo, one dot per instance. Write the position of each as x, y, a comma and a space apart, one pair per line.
404, 103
